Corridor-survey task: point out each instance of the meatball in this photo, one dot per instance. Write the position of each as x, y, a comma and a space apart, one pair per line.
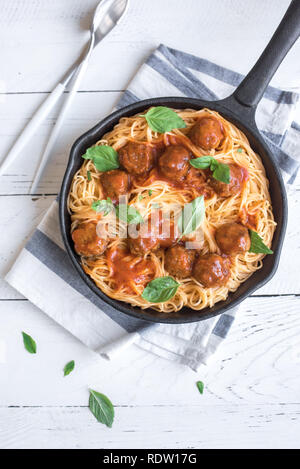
145, 242
195, 177
142, 245
179, 261
86, 241
115, 183
167, 233
156, 233
233, 238
137, 158
207, 133
238, 175
212, 270
174, 163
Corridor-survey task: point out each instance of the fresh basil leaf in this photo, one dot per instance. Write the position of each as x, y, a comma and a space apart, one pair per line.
160, 289
200, 386
150, 192
239, 150
214, 164
104, 157
101, 407
89, 177
222, 173
129, 214
257, 245
105, 206
69, 367
29, 343
163, 119
203, 162
191, 216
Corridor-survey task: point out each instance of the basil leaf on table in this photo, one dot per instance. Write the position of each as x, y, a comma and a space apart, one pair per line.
191, 216
29, 343
200, 386
257, 245
104, 157
220, 171
163, 119
105, 206
101, 407
129, 214
69, 367
160, 289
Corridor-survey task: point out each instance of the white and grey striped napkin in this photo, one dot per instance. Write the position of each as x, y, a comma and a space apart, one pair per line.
54, 284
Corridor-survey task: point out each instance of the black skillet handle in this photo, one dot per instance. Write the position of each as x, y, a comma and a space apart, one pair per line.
251, 89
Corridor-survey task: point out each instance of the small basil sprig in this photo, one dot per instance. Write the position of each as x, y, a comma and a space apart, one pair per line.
29, 343
191, 216
200, 386
129, 214
104, 157
160, 289
101, 407
220, 171
163, 119
257, 244
69, 367
105, 206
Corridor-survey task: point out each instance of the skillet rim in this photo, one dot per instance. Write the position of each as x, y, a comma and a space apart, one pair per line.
242, 117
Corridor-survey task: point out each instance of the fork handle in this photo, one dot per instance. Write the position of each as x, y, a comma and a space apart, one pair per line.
59, 122
32, 125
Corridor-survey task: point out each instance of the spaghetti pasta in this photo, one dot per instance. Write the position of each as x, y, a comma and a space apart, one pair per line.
122, 275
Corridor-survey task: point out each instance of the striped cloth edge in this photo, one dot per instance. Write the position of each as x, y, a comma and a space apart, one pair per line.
56, 288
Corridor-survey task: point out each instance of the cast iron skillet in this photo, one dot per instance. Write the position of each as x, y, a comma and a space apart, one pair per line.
240, 110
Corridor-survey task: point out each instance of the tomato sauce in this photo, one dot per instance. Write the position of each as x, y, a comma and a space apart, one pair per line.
195, 180
129, 272
250, 220
196, 184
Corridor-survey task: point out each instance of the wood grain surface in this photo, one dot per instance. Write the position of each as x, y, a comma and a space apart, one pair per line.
252, 396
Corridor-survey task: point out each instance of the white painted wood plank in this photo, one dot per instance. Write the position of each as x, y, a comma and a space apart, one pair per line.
258, 363
88, 109
286, 279
217, 426
252, 395
41, 39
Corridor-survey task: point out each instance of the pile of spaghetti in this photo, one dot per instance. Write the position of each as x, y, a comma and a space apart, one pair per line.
123, 272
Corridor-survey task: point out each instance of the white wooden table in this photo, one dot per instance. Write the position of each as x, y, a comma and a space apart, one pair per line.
252, 391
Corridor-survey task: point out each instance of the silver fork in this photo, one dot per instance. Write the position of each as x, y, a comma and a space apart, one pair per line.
106, 16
